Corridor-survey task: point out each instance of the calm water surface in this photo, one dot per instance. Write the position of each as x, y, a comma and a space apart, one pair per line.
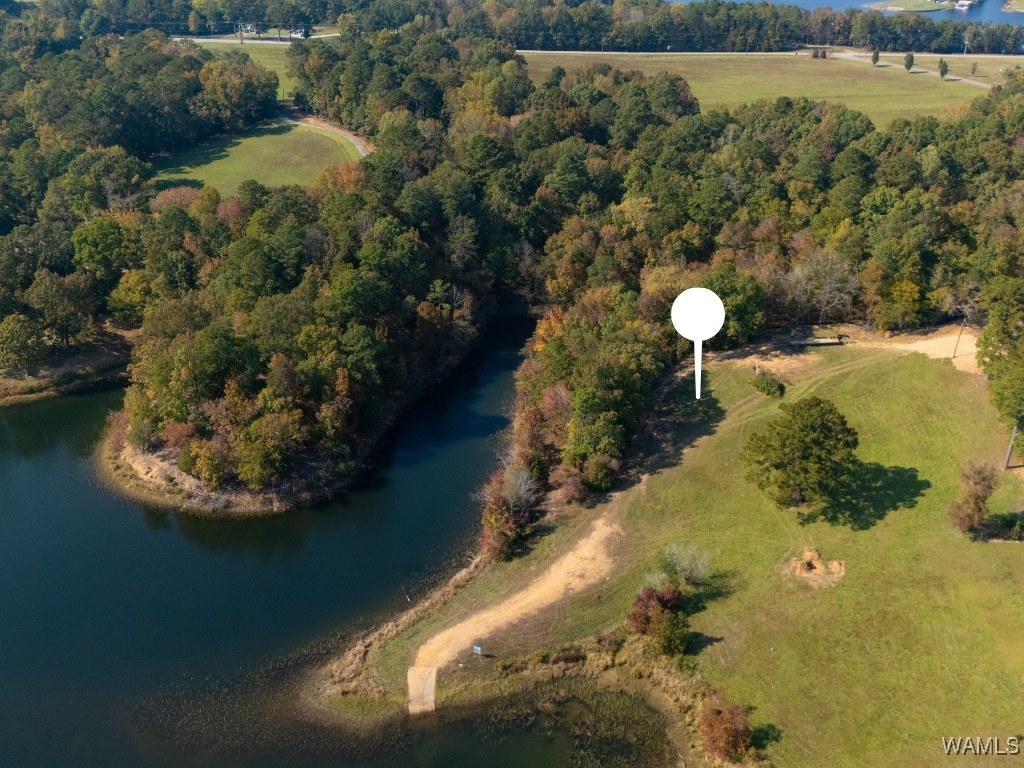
132, 637
989, 10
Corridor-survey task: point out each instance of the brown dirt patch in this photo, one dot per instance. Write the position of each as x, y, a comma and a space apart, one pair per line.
585, 564
810, 568
786, 360
780, 358
938, 343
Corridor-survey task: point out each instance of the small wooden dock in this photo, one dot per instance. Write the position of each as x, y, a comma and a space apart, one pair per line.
823, 342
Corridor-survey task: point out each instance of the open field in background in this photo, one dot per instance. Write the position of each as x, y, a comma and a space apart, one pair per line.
921, 639
916, 6
881, 93
279, 154
991, 69
272, 57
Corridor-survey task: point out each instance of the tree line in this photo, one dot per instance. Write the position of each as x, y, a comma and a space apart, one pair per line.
593, 25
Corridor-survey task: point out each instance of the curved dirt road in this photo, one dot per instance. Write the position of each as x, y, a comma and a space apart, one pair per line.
363, 147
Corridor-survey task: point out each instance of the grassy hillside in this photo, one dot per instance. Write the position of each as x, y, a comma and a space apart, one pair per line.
280, 154
921, 638
882, 93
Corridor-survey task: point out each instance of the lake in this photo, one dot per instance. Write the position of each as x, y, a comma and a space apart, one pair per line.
989, 10
134, 637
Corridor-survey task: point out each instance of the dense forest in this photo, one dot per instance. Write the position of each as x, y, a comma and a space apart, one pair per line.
283, 329
625, 25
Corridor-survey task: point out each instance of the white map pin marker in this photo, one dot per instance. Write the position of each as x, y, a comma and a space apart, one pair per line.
698, 314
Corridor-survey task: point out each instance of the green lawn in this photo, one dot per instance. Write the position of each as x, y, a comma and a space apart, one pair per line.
923, 638
989, 69
882, 93
276, 155
272, 57
912, 6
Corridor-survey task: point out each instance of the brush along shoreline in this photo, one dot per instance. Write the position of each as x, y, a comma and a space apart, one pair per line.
152, 476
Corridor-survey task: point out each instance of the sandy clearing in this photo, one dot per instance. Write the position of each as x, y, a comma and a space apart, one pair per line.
585, 564
421, 682
938, 344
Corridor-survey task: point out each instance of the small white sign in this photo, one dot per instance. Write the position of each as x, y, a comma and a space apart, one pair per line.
477, 650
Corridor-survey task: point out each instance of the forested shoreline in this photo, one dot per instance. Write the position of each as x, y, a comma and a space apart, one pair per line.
282, 329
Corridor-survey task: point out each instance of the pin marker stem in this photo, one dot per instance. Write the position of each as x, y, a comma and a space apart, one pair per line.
697, 314
697, 352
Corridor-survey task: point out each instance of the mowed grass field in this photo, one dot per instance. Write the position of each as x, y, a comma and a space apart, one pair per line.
283, 153
922, 638
881, 93
272, 57
990, 69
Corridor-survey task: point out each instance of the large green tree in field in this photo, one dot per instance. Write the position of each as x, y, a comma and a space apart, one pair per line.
804, 455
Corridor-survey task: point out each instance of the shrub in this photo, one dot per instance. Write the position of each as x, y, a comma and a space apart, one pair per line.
178, 434
569, 655
767, 383
503, 525
977, 484
211, 463
520, 488
723, 727
670, 630
569, 481
648, 602
187, 460
689, 564
610, 641
599, 471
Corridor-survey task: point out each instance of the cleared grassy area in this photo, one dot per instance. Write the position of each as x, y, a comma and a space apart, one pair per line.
912, 6
990, 69
272, 57
881, 93
921, 639
280, 154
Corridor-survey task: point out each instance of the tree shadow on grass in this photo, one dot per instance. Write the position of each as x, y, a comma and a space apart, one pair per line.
870, 493
762, 736
215, 148
717, 586
698, 641
676, 422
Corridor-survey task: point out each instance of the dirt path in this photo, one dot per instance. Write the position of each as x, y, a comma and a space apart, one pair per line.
939, 344
421, 682
363, 147
582, 566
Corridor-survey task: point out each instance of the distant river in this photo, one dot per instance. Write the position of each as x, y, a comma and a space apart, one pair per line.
132, 637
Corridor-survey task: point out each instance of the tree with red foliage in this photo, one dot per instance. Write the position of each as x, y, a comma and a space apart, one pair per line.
723, 727
648, 603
